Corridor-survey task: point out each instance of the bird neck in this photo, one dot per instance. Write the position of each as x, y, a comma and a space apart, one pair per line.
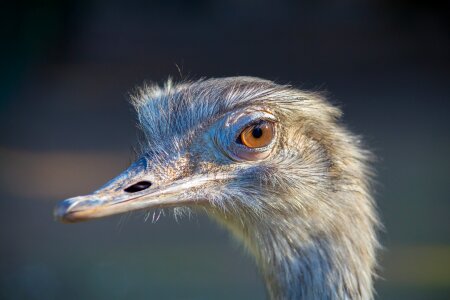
299, 265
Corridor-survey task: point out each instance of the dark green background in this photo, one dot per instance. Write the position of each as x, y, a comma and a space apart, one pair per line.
66, 128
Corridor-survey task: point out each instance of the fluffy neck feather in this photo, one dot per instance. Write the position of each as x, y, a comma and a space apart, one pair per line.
305, 263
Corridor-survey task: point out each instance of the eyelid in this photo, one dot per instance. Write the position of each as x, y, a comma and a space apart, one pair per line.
244, 118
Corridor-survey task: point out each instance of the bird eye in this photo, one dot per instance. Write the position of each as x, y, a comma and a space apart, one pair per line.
257, 135
248, 135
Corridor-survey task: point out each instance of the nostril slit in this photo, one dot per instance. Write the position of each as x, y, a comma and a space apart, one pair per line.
141, 185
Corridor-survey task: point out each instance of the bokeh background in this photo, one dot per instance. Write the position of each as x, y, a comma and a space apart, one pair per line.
66, 128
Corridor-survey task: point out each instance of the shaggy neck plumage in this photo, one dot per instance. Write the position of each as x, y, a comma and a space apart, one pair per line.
296, 264
317, 268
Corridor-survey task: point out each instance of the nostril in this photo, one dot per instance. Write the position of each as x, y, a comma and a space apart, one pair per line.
141, 185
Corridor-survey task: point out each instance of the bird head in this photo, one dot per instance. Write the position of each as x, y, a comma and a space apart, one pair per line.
237, 146
270, 162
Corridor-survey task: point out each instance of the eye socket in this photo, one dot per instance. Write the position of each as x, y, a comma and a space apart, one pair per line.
248, 135
257, 135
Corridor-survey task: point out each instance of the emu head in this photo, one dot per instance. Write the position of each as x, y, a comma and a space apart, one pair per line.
241, 147
269, 161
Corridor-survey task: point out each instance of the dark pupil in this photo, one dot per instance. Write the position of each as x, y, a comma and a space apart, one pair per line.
257, 132
141, 185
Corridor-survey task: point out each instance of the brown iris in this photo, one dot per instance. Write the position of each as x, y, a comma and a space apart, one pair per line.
257, 135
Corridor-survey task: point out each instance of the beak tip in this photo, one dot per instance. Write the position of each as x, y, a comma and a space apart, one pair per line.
61, 210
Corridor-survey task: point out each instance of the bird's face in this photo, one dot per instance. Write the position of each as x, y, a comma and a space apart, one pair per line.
225, 145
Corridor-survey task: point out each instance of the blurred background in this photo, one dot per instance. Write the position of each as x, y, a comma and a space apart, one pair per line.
66, 128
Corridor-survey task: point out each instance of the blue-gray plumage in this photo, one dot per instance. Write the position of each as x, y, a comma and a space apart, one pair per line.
271, 163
